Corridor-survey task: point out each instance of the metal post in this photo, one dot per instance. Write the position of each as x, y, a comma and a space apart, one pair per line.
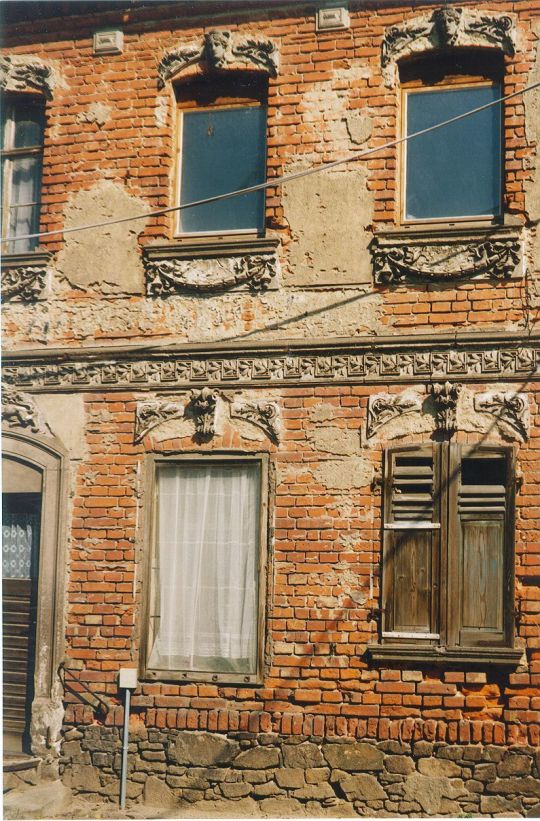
125, 742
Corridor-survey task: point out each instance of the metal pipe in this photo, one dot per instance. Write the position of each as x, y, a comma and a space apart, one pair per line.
125, 743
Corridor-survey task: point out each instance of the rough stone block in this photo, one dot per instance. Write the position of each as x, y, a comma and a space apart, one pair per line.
235, 790
258, 758
514, 764
290, 778
41, 801
157, 793
520, 785
315, 792
439, 767
267, 790
496, 803
83, 778
362, 788
401, 764
204, 749
302, 755
435, 794
353, 757
316, 774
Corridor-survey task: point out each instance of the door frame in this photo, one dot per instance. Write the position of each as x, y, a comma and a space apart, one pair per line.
47, 456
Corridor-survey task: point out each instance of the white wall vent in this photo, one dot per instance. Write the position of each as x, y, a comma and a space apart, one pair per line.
332, 17
108, 42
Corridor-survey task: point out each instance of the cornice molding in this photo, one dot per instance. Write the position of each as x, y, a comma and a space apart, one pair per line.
373, 360
218, 51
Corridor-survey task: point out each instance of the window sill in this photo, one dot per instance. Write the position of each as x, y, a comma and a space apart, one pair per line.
452, 253
478, 656
24, 275
223, 263
238, 679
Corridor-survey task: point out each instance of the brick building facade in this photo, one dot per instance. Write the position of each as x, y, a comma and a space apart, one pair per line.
353, 346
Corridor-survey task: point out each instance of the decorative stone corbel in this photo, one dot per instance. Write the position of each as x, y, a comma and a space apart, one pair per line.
24, 277
220, 50
440, 257
149, 415
19, 411
445, 396
448, 26
26, 74
387, 406
203, 405
507, 407
263, 415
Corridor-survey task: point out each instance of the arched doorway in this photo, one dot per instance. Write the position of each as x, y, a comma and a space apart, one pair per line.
33, 583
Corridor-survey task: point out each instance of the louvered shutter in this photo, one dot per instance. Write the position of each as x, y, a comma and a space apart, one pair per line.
481, 534
411, 545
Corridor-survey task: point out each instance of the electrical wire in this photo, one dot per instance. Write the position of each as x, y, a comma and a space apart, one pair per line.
278, 181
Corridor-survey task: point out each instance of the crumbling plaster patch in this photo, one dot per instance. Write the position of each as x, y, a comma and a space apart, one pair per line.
97, 113
275, 315
103, 259
338, 441
328, 215
343, 474
64, 414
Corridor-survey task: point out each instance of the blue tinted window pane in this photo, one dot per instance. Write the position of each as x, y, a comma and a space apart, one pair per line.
454, 171
223, 150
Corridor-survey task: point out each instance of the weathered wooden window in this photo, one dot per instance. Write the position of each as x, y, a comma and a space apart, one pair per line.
448, 546
207, 569
22, 151
221, 148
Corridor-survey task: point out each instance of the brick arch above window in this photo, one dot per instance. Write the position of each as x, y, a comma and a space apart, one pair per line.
445, 28
219, 51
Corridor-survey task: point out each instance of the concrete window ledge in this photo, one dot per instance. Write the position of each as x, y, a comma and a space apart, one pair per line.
443, 255
24, 276
440, 656
211, 265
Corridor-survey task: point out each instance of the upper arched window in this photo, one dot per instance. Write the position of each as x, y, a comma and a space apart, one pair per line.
454, 172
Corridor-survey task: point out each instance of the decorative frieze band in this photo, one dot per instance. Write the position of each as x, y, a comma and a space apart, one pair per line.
439, 257
385, 360
221, 50
447, 27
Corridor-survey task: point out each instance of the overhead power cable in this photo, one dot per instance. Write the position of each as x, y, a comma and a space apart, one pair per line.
285, 178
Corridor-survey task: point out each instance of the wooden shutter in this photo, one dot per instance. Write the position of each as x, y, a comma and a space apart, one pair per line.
481, 538
411, 545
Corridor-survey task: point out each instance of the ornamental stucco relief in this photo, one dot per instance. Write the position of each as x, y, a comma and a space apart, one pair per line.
446, 27
220, 50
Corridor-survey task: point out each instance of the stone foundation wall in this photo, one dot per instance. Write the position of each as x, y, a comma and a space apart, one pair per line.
289, 776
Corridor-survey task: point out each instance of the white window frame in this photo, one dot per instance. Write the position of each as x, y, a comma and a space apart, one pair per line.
449, 220
8, 153
178, 232
154, 461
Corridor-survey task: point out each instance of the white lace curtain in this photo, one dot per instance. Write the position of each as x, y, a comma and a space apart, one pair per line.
207, 568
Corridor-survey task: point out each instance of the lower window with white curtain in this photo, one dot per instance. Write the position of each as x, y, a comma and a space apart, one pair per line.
207, 567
